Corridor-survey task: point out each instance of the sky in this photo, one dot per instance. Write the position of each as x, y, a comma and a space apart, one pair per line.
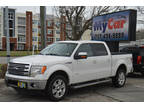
49, 9
34, 9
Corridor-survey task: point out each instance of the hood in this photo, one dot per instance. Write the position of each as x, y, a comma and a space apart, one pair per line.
40, 59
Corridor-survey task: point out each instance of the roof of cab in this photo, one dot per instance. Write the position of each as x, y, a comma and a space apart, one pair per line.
82, 41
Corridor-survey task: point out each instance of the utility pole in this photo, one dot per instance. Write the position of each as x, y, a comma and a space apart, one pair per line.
62, 22
43, 26
29, 32
7, 34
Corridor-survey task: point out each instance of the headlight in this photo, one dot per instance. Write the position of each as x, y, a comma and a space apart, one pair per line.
35, 69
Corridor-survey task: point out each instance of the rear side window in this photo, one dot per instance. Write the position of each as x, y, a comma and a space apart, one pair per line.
133, 50
141, 51
98, 49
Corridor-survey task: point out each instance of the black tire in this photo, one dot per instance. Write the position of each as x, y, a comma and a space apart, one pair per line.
120, 78
60, 89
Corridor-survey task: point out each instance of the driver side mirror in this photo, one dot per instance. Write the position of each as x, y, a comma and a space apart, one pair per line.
81, 55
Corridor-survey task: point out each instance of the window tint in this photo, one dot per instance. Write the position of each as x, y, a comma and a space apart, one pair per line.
142, 51
133, 50
98, 49
85, 48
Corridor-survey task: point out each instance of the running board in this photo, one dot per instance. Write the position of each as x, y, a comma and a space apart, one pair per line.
89, 84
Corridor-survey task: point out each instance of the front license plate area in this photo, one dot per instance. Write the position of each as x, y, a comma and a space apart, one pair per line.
21, 84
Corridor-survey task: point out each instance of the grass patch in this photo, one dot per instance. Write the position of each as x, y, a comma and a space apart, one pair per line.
17, 53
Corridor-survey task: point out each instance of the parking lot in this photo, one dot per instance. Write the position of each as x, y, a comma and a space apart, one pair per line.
133, 91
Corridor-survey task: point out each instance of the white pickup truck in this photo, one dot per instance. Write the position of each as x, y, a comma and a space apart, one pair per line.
68, 64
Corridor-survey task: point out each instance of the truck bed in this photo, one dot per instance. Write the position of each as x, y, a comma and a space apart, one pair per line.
120, 56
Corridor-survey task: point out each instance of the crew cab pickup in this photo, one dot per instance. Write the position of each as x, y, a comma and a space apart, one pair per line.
67, 64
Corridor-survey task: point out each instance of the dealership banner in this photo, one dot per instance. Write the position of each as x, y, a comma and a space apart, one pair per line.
117, 26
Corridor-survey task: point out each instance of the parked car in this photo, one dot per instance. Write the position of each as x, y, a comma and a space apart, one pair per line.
68, 64
138, 57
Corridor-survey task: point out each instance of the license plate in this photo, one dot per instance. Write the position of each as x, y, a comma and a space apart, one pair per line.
21, 85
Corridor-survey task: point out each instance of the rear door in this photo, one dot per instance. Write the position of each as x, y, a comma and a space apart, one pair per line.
102, 60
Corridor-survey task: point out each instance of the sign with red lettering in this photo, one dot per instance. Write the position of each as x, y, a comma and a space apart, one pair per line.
118, 26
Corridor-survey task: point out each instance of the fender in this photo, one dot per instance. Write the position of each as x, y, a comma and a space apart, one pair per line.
116, 66
58, 67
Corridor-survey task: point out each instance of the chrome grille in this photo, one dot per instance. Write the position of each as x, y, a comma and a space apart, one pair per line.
19, 69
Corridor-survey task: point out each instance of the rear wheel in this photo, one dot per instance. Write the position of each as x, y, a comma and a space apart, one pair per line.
120, 78
57, 88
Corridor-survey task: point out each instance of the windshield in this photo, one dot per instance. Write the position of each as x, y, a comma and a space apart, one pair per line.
59, 49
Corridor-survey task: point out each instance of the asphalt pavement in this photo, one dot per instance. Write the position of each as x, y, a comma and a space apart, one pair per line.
133, 91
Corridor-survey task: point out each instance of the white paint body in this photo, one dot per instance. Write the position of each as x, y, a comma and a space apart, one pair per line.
80, 70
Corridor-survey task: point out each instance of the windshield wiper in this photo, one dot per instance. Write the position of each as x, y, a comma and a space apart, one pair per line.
52, 54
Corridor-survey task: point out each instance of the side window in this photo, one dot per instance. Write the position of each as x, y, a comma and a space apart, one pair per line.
141, 51
98, 49
85, 48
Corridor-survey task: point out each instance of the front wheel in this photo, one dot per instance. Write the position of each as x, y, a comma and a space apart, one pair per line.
120, 78
57, 88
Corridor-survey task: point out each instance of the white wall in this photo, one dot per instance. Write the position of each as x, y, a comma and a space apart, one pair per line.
17, 15
86, 35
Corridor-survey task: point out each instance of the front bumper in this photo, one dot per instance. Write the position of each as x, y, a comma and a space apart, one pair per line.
31, 83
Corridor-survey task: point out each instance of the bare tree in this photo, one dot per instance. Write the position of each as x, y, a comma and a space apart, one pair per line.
75, 14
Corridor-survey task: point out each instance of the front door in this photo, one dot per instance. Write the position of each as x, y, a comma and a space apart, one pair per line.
83, 67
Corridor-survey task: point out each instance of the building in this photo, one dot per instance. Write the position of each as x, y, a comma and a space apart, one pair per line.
25, 30
20, 31
12, 29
